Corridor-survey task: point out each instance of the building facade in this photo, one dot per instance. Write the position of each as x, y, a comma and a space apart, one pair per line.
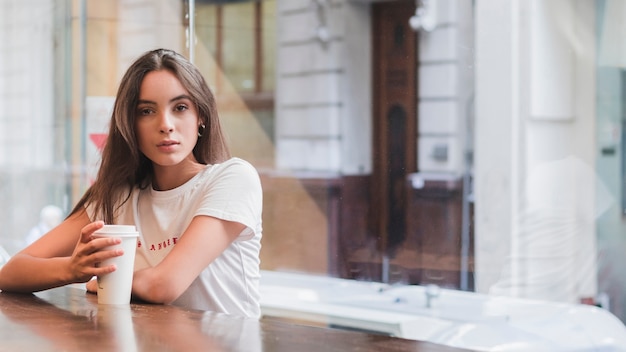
475, 145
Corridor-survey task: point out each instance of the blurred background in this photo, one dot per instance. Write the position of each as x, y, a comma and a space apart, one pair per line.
475, 145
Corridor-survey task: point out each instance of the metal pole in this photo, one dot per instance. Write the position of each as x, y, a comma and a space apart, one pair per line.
82, 90
192, 29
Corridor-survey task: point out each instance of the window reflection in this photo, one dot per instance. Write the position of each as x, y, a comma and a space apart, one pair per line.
453, 155
238, 45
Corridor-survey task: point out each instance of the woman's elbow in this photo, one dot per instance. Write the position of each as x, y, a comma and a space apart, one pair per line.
159, 297
164, 294
157, 290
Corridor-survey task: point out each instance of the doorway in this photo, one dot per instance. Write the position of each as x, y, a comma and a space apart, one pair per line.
394, 120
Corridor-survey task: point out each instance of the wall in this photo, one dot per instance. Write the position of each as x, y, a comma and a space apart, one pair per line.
323, 90
445, 90
31, 175
535, 121
26, 84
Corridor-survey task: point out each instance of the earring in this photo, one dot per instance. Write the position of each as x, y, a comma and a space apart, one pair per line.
201, 129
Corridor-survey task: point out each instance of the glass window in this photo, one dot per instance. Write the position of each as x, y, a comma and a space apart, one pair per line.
235, 48
238, 46
460, 148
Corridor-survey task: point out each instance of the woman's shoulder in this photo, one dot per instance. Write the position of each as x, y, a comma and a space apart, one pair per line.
232, 177
237, 161
232, 165
230, 169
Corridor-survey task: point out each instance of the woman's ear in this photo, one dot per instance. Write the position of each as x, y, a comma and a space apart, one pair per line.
201, 129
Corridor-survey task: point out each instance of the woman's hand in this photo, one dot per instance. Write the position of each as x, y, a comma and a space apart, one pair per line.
66, 254
90, 252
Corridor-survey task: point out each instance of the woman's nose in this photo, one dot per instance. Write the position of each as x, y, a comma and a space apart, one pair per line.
166, 122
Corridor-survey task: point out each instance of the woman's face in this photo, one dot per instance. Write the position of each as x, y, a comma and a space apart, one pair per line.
167, 120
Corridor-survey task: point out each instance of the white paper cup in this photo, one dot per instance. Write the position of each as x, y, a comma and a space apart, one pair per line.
116, 287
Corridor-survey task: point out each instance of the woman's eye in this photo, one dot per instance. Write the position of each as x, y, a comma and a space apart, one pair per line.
144, 111
181, 107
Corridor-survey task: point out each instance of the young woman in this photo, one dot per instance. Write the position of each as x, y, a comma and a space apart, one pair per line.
165, 169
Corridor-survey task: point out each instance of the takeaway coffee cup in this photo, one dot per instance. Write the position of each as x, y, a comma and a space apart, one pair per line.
115, 287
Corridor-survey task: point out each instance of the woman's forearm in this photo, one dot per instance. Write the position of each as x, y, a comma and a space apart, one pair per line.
25, 273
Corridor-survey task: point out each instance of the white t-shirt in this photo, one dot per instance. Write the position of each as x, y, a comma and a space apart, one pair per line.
229, 191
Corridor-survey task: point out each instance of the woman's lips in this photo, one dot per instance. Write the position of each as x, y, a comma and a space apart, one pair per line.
167, 145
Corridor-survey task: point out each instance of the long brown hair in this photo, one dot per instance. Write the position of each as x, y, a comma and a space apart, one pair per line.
123, 166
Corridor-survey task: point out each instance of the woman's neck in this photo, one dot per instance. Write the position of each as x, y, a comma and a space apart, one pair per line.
170, 177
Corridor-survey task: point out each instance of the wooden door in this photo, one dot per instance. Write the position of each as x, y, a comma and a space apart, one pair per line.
394, 119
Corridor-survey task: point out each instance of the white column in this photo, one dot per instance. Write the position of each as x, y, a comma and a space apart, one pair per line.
26, 83
535, 178
496, 136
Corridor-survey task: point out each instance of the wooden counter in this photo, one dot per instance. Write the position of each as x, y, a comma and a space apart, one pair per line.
69, 319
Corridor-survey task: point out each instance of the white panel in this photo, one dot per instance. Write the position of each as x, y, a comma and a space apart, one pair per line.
356, 116
552, 59
436, 81
309, 90
27, 83
437, 117
447, 12
613, 31
138, 15
129, 3
321, 155
335, 20
440, 44
301, 27
293, 5
147, 25
136, 44
427, 162
310, 121
289, 154
308, 57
